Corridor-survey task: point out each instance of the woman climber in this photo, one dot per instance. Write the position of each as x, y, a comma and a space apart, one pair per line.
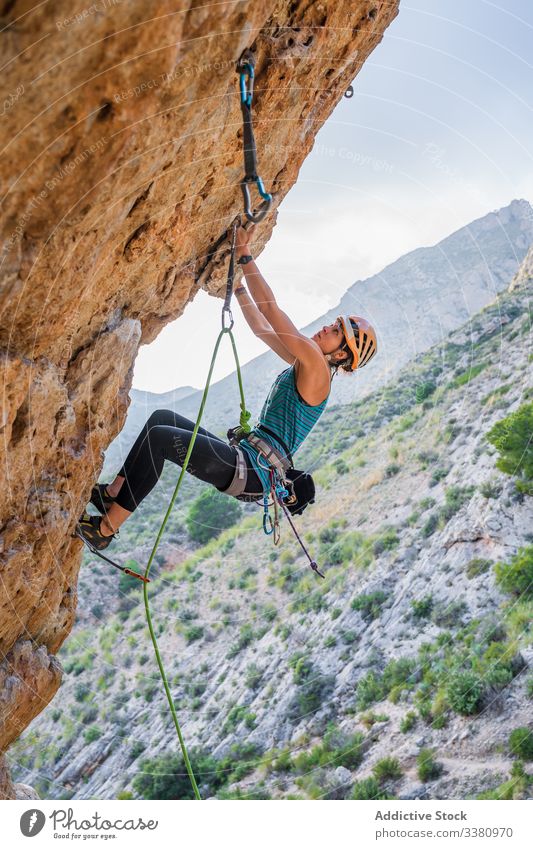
296, 400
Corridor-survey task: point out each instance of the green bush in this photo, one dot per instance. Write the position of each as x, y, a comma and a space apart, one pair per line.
454, 498
166, 777
137, 748
477, 566
398, 675
424, 390
521, 743
349, 637
512, 438
313, 687
246, 636
368, 788
81, 691
236, 715
369, 690
438, 475
387, 768
193, 632
386, 541
341, 467
468, 375
369, 604
430, 525
422, 607
408, 722
253, 676
428, 768
92, 733
516, 577
465, 692
336, 749
490, 489
210, 514
302, 667
448, 615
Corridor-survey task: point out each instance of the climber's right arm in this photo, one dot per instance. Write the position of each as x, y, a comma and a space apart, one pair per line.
260, 326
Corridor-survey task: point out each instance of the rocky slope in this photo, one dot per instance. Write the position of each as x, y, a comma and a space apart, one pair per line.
414, 303
122, 154
301, 687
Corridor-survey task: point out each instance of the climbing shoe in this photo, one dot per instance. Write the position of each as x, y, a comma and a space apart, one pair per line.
88, 530
100, 498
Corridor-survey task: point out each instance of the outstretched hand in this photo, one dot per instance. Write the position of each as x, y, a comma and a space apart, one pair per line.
242, 240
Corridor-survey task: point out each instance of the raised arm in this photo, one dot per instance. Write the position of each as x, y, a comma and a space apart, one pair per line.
298, 345
260, 326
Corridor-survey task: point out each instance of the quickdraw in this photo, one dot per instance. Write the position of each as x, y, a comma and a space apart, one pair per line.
245, 67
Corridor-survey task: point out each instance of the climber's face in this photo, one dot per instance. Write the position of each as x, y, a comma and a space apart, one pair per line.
330, 338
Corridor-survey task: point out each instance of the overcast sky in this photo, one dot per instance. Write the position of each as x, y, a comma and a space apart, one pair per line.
438, 133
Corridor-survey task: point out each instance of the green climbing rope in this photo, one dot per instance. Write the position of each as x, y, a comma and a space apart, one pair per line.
244, 67
160, 534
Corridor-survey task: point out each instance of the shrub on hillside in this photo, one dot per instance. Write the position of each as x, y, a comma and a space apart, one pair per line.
387, 540
465, 692
477, 566
428, 768
313, 686
421, 608
512, 438
516, 577
369, 604
521, 743
210, 514
424, 390
369, 788
387, 768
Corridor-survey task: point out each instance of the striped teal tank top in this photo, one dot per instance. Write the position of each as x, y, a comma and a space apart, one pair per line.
286, 414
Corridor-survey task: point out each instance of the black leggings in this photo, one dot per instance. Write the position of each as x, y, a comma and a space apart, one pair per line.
166, 436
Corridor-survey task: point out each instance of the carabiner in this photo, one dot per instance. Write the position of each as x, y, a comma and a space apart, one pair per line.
227, 310
267, 523
247, 89
265, 206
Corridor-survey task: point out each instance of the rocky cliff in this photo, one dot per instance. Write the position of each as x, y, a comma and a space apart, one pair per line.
121, 162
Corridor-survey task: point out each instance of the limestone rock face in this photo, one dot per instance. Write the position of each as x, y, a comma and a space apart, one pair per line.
122, 155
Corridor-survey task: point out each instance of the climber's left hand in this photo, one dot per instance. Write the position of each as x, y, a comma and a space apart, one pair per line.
242, 240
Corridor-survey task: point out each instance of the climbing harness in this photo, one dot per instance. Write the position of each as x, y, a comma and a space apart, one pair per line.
246, 69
